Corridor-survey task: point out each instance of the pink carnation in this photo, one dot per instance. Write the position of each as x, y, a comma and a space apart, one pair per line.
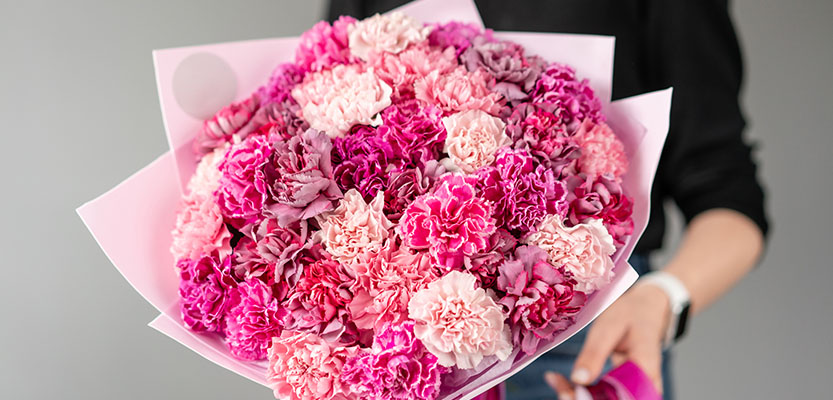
318, 302
458, 91
302, 366
601, 198
559, 85
459, 322
270, 252
397, 367
484, 264
402, 70
539, 129
391, 33
232, 120
200, 229
354, 227
416, 132
539, 297
452, 222
403, 186
584, 250
333, 100
458, 35
602, 153
384, 284
324, 45
523, 194
299, 175
253, 319
204, 287
242, 189
278, 90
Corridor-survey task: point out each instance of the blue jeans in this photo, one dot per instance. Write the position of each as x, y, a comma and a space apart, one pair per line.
528, 384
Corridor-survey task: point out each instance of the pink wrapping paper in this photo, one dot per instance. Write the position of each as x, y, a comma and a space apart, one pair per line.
132, 222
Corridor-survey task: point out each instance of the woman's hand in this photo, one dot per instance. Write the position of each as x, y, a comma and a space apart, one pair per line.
632, 328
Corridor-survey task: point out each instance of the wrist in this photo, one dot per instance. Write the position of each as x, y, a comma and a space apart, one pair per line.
675, 303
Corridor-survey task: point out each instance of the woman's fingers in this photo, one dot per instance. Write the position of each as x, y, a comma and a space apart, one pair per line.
560, 384
647, 354
602, 338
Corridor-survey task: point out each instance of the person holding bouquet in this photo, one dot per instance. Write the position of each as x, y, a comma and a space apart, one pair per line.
706, 169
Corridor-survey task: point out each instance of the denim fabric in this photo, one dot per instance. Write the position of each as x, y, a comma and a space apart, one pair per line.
528, 384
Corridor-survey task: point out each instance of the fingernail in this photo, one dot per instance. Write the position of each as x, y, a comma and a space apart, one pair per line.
565, 396
580, 376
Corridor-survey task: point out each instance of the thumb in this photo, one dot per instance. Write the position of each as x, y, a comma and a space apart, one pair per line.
560, 384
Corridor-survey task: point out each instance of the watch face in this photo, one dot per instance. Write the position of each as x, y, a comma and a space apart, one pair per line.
682, 321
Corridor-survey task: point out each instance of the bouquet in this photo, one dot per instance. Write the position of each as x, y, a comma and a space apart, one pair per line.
405, 209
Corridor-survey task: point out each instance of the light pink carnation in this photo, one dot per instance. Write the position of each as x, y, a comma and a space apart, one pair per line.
207, 177
354, 227
458, 91
602, 153
333, 100
584, 250
390, 33
459, 322
385, 282
324, 45
232, 120
303, 366
452, 222
473, 139
200, 229
402, 70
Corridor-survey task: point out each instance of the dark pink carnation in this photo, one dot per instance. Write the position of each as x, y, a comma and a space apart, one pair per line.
396, 367
559, 85
252, 320
279, 88
514, 74
233, 119
452, 221
318, 302
539, 298
484, 264
539, 129
204, 287
523, 194
324, 45
300, 178
242, 189
405, 185
415, 131
458, 35
268, 250
601, 198
363, 159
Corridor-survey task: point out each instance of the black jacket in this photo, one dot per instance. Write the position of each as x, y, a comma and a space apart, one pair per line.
688, 44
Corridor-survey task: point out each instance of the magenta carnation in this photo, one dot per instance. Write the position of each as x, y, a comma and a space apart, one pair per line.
405, 185
318, 302
252, 320
242, 189
204, 287
538, 128
363, 160
459, 35
523, 194
602, 198
416, 132
324, 45
453, 222
397, 367
539, 298
231, 120
559, 85
514, 73
279, 88
300, 178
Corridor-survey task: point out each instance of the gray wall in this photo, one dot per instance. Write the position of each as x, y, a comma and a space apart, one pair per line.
79, 113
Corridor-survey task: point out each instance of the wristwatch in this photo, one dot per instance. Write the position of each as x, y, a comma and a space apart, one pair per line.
679, 300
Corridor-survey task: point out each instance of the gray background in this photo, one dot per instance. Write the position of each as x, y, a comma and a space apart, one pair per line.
79, 113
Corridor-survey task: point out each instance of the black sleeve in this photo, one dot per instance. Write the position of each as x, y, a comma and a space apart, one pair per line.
706, 163
360, 8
